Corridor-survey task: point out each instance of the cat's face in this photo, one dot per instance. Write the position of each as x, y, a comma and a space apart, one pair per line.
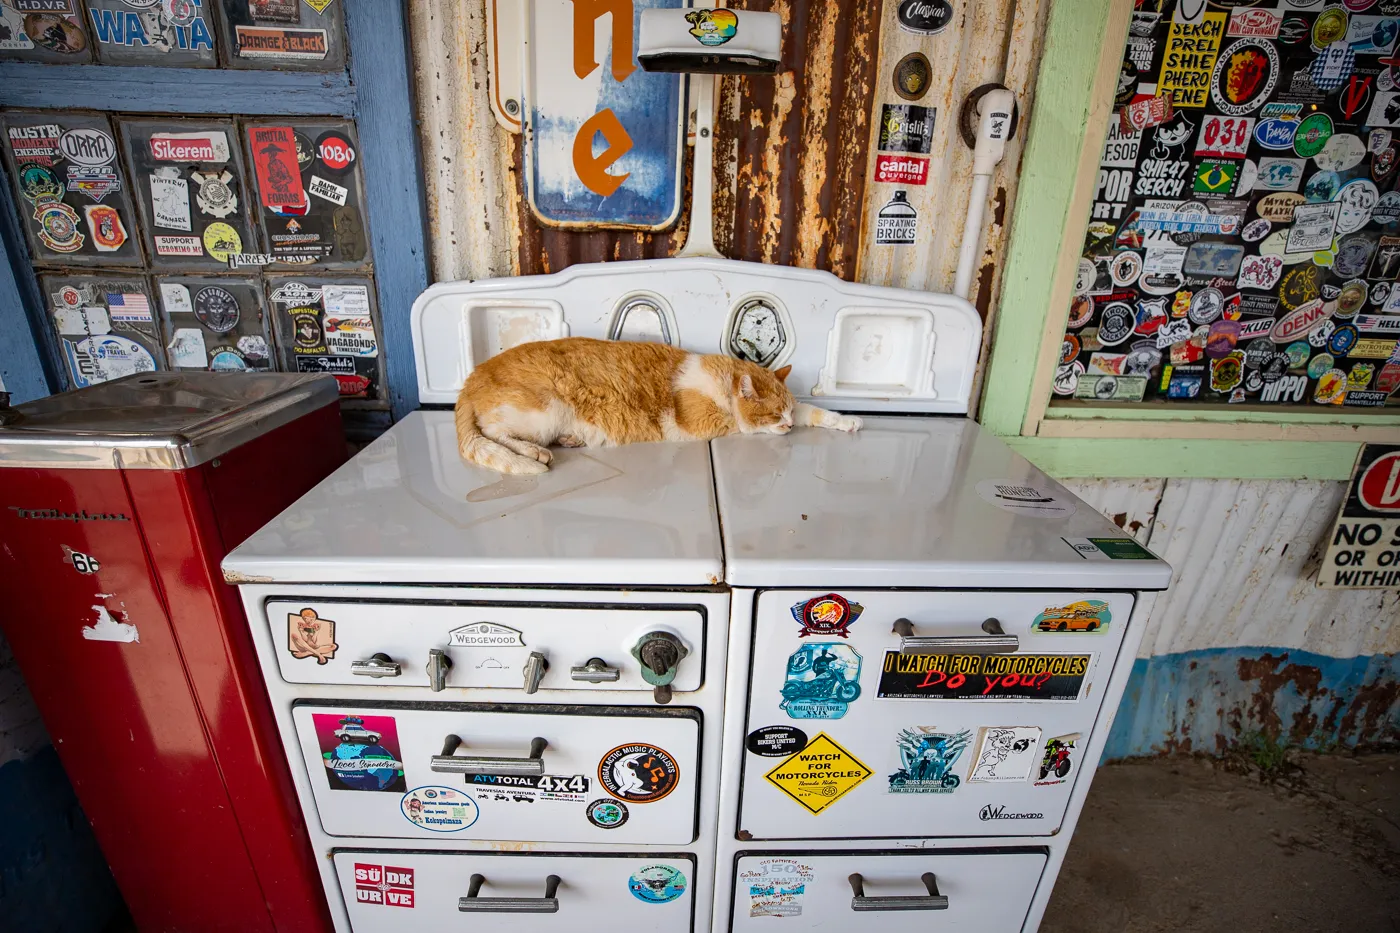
761, 401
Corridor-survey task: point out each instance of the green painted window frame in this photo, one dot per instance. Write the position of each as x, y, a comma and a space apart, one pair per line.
1082, 48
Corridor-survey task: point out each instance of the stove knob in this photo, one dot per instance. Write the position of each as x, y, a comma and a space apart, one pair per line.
535, 666
438, 666
660, 654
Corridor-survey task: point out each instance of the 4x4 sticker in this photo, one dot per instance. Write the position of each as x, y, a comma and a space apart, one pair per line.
983, 677
310, 636
360, 752
926, 759
567, 788
638, 773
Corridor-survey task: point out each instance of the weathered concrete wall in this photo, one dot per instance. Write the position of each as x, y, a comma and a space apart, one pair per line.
1245, 642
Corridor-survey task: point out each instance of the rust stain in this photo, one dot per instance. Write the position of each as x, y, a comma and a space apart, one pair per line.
1373, 707
1306, 680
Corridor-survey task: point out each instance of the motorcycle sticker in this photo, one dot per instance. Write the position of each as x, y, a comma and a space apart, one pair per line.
819, 775
1057, 760
822, 681
1004, 753
309, 636
638, 773
439, 809
1086, 615
360, 752
983, 677
926, 760
656, 884
826, 615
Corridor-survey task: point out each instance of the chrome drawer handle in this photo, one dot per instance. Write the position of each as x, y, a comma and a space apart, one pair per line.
450, 763
932, 901
376, 666
549, 904
995, 641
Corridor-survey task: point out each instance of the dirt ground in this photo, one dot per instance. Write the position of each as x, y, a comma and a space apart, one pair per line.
1196, 845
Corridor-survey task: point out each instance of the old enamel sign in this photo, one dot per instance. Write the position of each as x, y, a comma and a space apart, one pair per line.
602, 137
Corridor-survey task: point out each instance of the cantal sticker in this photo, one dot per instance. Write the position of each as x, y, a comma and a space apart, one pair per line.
819, 775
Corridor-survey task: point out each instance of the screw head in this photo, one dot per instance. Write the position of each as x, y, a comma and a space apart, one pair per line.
512, 106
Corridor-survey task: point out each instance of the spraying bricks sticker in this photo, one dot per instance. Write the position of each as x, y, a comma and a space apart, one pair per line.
638, 773
383, 885
1363, 550
439, 809
829, 615
1025, 499
775, 887
983, 677
819, 775
360, 752
1057, 760
310, 636
1004, 754
821, 682
927, 758
897, 223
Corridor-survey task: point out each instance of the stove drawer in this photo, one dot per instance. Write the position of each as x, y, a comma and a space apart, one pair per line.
450, 892
487, 644
848, 738
977, 891
594, 774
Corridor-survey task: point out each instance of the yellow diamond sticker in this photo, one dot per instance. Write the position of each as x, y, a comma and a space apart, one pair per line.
318, 5
819, 775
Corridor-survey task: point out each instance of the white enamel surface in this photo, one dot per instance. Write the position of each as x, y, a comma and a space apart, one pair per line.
567, 637
988, 892
876, 351
870, 724
703, 295
895, 505
758, 35
406, 509
479, 329
593, 892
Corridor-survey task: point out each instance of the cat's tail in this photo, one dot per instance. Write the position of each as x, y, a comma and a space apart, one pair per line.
481, 450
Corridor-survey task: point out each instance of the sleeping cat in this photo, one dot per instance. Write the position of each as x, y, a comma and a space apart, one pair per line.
580, 392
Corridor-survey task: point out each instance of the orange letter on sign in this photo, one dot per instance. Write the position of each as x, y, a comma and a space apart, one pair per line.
586, 13
593, 170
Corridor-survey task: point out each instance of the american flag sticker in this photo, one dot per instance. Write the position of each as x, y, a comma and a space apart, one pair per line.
128, 306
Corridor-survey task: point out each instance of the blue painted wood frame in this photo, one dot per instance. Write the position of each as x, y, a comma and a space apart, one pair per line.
377, 93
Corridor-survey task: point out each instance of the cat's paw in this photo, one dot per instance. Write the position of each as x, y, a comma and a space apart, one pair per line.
570, 440
848, 423
522, 466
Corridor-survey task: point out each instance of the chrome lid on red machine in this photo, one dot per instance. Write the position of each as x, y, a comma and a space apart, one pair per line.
157, 421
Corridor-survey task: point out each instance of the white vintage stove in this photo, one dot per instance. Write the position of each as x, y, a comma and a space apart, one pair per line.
697, 686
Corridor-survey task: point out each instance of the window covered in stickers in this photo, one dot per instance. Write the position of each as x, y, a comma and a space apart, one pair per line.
43, 31
153, 236
1244, 241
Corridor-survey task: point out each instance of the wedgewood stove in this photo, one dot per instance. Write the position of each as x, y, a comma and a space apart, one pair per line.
881, 688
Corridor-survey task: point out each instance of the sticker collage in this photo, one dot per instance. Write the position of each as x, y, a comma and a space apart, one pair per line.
823, 679
199, 245
1244, 240
305, 35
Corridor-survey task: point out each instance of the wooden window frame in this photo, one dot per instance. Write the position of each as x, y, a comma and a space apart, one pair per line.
375, 92
1074, 101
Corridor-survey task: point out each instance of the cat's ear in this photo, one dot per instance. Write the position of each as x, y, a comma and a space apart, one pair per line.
746, 386
782, 374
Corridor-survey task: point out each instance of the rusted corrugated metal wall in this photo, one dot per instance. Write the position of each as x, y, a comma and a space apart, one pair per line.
1245, 642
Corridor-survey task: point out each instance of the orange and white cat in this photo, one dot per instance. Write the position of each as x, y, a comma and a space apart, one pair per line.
580, 392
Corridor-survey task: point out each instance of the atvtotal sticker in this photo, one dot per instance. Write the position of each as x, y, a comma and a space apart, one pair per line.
983, 677
776, 887
1057, 760
1004, 753
1086, 615
439, 809
819, 775
516, 788
927, 756
822, 680
638, 773
383, 885
1023, 499
310, 636
657, 884
829, 615
1109, 549
360, 752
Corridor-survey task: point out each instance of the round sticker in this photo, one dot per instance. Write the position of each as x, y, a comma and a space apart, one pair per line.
1351, 299
306, 153
1312, 135
180, 12
1293, 30
1019, 499
1081, 309
1259, 352
1340, 153
1331, 387
912, 76
1116, 324
656, 884
1380, 291
1357, 198
1208, 305
335, 152
216, 309
222, 241
1330, 26
1323, 186
58, 228
227, 360
1342, 340
1322, 333
1387, 209
93, 148
439, 809
1069, 349
1227, 372
1256, 230
1319, 365
37, 183
1245, 74
69, 297
1067, 377
1126, 268
1297, 354
1275, 368
776, 741
638, 773
606, 813
1352, 257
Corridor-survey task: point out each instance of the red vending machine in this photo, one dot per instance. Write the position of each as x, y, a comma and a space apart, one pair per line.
117, 503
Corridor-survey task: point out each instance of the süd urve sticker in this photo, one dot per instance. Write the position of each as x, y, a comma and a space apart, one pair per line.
927, 756
819, 775
822, 680
983, 677
360, 752
638, 773
383, 885
309, 636
826, 615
